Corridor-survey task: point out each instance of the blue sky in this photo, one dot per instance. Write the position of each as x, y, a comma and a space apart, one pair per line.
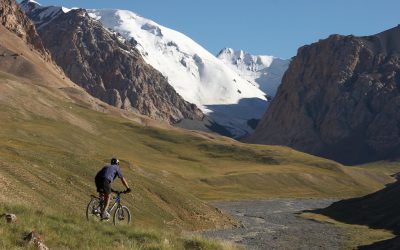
273, 27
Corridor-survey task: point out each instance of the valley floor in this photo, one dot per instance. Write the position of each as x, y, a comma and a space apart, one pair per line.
275, 224
280, 224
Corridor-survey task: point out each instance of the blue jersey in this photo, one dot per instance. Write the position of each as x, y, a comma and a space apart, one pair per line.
110, 172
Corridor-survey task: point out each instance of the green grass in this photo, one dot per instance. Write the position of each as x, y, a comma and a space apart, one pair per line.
51, 148
357, 235
67, 231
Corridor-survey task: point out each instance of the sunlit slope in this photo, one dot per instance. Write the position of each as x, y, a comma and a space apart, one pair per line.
54, 138
53, 148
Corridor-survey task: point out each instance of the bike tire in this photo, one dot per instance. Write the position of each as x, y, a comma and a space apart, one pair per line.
93, 204
122, 216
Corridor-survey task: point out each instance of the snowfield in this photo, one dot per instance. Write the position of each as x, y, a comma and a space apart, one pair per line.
195, 73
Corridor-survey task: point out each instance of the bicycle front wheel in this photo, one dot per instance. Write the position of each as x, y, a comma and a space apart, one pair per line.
93, 210
122, 216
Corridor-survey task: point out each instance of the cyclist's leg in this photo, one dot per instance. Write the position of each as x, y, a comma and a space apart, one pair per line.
106, 195
106, 202
104, 189
101, 196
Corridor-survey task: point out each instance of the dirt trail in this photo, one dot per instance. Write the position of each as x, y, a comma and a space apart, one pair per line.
275, 224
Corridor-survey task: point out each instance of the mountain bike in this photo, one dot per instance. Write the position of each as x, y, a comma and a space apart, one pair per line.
122, 215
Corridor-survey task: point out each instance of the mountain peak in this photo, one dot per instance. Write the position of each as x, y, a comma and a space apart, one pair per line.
390, 32
262, 70
228, 51
42, 15
29, 5
25, 2
241, 56
389, 40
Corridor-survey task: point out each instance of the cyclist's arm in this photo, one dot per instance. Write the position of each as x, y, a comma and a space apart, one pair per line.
123, 180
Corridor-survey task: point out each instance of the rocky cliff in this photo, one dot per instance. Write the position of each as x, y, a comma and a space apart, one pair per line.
107, 65
13, 19
340, 99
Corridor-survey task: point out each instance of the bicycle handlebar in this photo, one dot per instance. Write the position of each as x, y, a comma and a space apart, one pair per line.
120, 192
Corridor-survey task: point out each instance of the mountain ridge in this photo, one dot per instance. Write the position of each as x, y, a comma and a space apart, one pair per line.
107, 65
339, 99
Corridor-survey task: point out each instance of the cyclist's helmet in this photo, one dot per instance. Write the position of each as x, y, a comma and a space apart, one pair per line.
114, 161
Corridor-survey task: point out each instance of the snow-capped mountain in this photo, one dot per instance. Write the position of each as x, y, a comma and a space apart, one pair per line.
108, 66
266, 71
198, 76
43, 15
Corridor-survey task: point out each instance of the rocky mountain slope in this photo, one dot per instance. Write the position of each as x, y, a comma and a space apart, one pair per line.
17, 22
265, 71
107, 65
340, 99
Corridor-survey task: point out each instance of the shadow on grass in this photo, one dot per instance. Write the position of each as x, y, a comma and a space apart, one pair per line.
237, 153
379, 210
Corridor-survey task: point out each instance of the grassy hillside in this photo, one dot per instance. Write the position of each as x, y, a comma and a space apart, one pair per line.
54, 137
51, 149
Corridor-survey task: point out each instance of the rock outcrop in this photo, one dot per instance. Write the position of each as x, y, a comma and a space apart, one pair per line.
108, 66
34, 238
14, 19
340, 99
10, 218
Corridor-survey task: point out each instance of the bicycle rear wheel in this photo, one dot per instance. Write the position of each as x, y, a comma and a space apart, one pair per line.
93, 210
122, 216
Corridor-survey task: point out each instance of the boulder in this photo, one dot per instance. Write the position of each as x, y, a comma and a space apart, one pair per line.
10, 218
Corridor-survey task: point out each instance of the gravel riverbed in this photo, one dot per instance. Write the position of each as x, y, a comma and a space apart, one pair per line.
275, 224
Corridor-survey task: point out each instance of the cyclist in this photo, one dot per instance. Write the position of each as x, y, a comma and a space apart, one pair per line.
103, 181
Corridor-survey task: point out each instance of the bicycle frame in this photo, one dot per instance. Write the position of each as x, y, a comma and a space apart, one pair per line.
117, 202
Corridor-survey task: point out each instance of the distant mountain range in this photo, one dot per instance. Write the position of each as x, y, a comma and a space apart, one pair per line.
197, 75
230, 98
